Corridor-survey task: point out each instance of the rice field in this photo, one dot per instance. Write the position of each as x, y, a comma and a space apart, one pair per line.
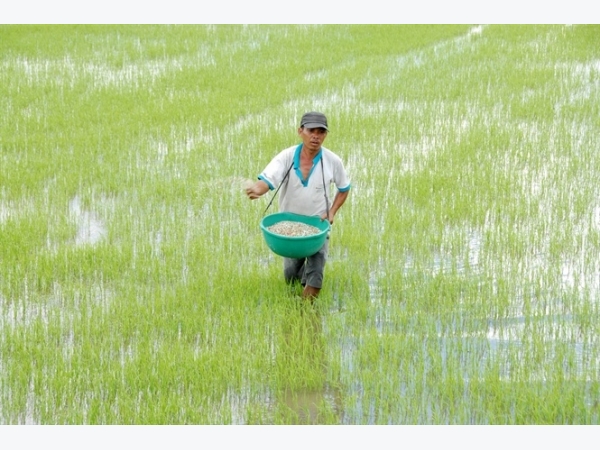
463, 280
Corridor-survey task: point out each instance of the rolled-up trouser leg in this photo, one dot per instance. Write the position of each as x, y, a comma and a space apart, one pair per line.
293, 269
309, 271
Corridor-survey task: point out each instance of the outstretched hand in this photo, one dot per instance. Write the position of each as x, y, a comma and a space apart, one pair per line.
255, 190
252, 193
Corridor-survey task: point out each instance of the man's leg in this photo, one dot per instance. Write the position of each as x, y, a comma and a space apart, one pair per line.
313, 272
310, 292
293, 269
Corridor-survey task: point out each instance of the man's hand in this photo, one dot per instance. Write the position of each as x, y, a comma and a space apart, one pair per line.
324, 217
257, 190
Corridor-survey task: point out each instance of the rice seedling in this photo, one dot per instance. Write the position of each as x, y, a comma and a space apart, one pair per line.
462, 280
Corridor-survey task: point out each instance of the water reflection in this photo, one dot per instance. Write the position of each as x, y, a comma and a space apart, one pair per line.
308, 398
90, 229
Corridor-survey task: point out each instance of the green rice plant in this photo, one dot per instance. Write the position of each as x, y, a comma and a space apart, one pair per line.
135, 285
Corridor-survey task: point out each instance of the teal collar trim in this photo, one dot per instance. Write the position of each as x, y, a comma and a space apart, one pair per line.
316, 160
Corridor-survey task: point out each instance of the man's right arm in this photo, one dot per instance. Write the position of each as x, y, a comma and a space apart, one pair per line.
257, 190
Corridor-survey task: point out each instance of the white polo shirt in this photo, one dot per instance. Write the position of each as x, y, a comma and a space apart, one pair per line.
305, 196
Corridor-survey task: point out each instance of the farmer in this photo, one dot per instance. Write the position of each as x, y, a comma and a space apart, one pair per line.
307, 172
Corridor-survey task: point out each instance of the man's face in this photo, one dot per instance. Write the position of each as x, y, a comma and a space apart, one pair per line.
312, 138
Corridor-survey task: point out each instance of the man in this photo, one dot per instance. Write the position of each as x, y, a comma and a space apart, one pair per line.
307, 172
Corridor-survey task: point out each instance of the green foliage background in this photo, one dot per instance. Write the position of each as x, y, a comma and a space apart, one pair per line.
462, 282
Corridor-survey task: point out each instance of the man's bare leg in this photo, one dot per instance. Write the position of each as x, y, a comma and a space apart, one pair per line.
310, 292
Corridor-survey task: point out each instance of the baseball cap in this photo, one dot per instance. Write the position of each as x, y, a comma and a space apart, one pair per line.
314, 119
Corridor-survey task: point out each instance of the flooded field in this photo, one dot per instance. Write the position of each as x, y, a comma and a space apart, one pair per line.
463, 280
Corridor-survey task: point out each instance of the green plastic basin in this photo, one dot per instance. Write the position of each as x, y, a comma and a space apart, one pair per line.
294, 246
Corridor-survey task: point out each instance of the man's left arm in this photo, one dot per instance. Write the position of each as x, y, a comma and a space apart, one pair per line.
338, 201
